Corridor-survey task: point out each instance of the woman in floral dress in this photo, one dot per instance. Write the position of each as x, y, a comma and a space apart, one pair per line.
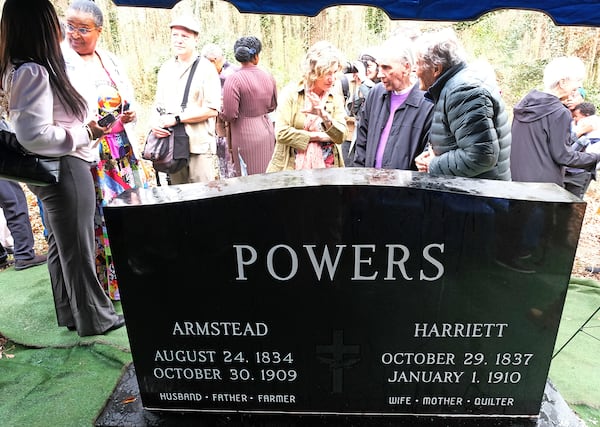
118, 169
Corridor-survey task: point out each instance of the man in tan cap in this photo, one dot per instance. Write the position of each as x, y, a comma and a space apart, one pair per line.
202, 107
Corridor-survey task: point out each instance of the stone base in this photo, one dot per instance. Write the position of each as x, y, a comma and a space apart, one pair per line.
124, 408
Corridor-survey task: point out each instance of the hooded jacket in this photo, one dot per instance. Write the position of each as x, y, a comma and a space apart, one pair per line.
470, 133
541, 131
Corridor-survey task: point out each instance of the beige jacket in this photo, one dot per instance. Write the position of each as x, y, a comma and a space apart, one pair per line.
289, 127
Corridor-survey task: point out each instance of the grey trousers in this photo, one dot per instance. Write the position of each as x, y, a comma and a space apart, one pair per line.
69, 208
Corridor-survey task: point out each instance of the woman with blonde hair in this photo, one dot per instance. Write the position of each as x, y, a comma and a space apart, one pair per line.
310, 125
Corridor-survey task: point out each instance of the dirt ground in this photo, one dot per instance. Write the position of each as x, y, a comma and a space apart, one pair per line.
588, 250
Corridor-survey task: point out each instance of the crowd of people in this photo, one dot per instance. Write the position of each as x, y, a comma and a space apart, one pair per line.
413, 103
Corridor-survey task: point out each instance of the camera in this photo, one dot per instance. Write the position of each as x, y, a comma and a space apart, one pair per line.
349, 68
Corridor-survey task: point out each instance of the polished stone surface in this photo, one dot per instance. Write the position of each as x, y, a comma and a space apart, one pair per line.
345, 292
124, 408
346, 177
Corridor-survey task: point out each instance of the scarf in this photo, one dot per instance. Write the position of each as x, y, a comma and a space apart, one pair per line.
317, 154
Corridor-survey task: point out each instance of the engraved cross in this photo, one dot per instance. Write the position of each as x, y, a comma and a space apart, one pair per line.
337, 361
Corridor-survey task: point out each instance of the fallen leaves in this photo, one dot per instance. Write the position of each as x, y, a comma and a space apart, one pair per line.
40, 245
3, 349
588, 248
129, 399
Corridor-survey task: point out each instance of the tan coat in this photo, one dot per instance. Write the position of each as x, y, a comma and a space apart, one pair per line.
289, 127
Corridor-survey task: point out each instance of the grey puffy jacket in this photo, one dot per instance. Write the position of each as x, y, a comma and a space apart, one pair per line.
470, 134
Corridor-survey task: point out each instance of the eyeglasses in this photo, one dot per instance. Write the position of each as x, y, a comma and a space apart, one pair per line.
84, 31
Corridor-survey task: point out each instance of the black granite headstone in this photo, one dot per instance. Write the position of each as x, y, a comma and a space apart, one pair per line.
344, 292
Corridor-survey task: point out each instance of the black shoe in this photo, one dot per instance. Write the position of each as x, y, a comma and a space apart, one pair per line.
5, 262
119, 323
22, 264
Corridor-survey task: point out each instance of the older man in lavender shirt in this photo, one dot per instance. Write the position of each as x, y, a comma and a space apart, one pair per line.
394, 123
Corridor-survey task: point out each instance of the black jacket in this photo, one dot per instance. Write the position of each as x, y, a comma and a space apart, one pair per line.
408, 135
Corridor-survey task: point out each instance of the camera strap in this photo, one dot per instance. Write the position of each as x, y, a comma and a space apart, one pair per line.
186, 92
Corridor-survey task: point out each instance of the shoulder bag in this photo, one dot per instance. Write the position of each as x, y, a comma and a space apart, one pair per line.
171, 153
18, 164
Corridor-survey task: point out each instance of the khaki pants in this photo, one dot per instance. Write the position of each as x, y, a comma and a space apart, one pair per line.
201, 168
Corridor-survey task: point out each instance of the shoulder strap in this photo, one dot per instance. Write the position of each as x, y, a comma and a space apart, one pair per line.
186, 92
363, 90
345, 87
106, 70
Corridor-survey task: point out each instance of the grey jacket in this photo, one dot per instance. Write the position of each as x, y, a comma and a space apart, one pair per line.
541, 135
409, 133
470, 133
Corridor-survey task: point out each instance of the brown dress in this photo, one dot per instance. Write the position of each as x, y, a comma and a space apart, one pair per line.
249, 95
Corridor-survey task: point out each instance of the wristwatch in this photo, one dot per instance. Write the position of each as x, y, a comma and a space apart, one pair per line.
177, 120
326, 122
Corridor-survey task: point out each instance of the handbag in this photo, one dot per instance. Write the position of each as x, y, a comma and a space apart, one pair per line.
18, 164
171, 153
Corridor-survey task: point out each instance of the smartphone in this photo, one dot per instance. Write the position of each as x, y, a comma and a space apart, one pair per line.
107, 120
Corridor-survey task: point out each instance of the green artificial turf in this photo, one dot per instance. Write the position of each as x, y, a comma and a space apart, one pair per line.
49, 376
58, 386
53, 377
27, 314
575, 370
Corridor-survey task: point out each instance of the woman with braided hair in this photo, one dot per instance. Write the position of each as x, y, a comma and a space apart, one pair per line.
249, 95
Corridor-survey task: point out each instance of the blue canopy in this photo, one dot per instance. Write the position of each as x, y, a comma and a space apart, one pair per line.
563, 12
